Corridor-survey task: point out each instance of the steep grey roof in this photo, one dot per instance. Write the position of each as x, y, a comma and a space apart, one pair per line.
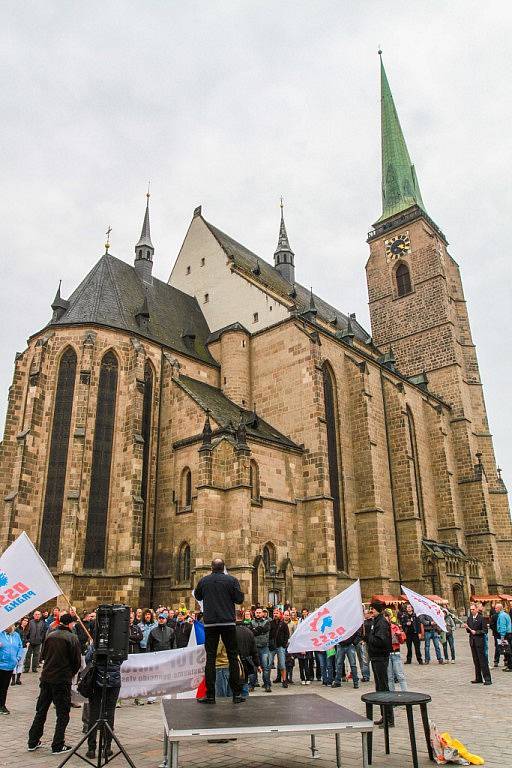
112, 294
231, 327
227, 413
145, 235
269, 277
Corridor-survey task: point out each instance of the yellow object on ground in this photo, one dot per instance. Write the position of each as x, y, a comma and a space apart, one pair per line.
462, 750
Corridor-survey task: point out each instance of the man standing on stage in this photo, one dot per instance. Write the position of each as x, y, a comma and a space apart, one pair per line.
220, 592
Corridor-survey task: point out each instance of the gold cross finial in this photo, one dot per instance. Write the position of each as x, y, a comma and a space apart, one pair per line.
107, 244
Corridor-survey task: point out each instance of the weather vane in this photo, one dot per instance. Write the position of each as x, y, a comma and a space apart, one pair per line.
147, 193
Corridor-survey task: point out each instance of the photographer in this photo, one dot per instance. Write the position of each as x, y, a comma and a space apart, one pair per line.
110, 674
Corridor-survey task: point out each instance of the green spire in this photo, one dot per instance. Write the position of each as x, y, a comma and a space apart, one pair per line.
400, 188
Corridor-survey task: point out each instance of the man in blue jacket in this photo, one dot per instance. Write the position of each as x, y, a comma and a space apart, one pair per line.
11, 651
220, 592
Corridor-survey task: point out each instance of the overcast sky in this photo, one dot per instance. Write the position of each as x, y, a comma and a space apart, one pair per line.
231, 104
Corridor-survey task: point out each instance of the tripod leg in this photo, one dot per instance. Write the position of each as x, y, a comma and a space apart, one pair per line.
120, 746
75, 749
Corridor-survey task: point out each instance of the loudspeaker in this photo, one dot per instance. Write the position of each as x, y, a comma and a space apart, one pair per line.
112, 631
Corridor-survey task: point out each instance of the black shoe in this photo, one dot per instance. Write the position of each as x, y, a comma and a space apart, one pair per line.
4, 711
356, 685
36, 746
268, 689
335, 684
366, 679
85, 728
91, 754
488, 682
13, 679
109, 752
420, 661
476, 682
390, 724
276, 681
407, 662
284, 684
238, 699
206, 700
60, 750
18, 678
378, 722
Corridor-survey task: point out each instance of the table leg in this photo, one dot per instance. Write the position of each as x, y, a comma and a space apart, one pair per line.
314, 750
385, 715
369, 716
412, 735
173, 757
163, 764
426, 728
338, 750
365, 738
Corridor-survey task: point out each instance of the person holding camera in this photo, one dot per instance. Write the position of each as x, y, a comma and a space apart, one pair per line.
106, 672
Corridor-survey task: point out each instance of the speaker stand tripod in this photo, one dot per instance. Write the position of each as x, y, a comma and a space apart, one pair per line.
101, 726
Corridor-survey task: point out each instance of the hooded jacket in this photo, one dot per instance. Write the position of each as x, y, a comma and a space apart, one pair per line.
11, 650
379, 638
161, 638
260, 629
36, 631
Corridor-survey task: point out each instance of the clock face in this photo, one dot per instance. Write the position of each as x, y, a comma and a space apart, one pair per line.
397, 246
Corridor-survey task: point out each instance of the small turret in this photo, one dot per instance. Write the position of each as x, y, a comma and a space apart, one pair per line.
144, 249
59, 305
284, 256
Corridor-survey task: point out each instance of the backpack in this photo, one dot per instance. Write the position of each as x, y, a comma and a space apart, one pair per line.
86, 680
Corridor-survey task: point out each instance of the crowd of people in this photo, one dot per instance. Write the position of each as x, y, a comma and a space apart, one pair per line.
58, 644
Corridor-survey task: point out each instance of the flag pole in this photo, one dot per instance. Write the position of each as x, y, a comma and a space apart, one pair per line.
66, 598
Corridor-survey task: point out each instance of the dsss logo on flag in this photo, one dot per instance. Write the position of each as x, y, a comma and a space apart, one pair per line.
15, 595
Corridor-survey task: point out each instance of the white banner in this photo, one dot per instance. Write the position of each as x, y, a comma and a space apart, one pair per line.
336, 620
162, 672
25, 581
422, 605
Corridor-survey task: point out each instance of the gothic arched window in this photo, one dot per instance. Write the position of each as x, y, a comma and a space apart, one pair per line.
413, 454
269, 555
334, 471
254, 480
185, 498
146, 434
403, 280
184, 563
96, 532
57, 463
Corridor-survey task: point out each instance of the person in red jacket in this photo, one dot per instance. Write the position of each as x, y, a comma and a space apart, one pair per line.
395, 666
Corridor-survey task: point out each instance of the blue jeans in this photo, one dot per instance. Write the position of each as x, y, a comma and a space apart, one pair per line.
222, 687
325, 667
362, 655
430, 635
395, 669
281, 658
265, 662
449, 642
341, 652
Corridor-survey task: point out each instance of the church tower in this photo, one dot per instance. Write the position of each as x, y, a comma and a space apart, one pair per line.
418, 309
283, 255
144, 250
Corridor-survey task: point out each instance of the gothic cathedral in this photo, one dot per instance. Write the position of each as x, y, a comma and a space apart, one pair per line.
232, 412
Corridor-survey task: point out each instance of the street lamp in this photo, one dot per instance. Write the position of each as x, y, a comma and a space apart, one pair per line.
273, 573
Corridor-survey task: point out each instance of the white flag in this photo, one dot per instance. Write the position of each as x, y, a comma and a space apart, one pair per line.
422, 605
336, 620
25, 581
161, 673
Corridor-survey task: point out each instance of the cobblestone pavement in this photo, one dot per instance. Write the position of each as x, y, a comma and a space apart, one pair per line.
481, 717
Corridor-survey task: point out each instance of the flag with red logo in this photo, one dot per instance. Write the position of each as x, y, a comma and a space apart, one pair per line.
336, 620
25, 581
423, 606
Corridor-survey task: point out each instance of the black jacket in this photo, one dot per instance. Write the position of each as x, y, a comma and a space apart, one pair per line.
279, 634
112, 670
355, 639
61, 656
247, 646
260, 629
182, 633
161, 638
379, 638
428, 624
134, 637
410, 624
479, 624
220, 592
36, 631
